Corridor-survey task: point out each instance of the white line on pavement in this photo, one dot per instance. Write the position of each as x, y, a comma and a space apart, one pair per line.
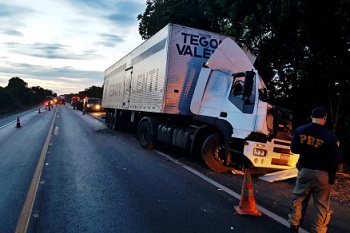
230, 192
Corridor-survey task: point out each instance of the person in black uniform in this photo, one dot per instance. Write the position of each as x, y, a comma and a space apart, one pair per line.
320, 155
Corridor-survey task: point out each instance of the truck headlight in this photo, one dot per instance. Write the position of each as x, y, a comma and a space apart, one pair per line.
259, 152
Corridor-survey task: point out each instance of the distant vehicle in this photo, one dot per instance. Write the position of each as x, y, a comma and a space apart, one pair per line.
75, 102
93, 104
60, 100
49, 102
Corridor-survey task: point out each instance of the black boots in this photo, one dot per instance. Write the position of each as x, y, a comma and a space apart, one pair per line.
294, 229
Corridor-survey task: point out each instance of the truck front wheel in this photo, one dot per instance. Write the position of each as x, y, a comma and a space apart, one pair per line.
213, 153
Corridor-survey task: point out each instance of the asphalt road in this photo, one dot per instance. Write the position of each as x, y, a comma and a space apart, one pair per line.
19, 150
97, 180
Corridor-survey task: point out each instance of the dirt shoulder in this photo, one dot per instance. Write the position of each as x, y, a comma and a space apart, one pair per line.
341, 189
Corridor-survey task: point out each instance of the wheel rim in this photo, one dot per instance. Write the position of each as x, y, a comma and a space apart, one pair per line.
219, 153
213, 153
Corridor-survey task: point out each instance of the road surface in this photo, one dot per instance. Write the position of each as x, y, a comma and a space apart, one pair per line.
93, 179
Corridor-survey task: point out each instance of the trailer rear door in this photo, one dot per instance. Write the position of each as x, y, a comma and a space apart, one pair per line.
127, 88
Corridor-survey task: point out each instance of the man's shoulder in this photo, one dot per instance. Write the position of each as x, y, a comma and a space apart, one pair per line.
302, 128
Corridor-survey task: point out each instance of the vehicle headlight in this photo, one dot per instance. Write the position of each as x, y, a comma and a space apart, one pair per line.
259, 152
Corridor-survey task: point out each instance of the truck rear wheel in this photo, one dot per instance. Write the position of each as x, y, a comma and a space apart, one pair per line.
108, 119
112, 120
119, 121
145, 135
213, 152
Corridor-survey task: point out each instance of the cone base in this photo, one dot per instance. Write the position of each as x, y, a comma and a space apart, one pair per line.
241, 211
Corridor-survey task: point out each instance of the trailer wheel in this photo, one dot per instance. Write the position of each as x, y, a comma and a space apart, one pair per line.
113, 121
108, 119
119, 123
145, 135
213, 153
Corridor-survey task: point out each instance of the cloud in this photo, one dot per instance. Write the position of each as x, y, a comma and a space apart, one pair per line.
9, 19
65, 80
110, 40
48, 72
10, 10
12, 32
12, 16
50, 51
67, 42
122, 13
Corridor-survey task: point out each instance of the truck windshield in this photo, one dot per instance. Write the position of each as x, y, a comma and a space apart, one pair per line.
93, 101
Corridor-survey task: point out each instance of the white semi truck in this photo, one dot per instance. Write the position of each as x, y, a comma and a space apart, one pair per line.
199, 91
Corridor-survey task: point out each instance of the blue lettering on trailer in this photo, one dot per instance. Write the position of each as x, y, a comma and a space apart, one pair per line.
200, 45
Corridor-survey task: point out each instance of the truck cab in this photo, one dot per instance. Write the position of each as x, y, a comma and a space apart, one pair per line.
93, 104
231, 94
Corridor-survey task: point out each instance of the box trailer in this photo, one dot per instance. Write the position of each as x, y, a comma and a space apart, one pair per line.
199, 91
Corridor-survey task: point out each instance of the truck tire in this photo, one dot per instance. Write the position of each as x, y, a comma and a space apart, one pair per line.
186, 140
169, 135
159, 133
145, 135
175, 135
179, 138
108, 119
213, 153
113, 121
119, 121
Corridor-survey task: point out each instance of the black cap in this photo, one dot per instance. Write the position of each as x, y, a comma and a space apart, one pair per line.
319, 112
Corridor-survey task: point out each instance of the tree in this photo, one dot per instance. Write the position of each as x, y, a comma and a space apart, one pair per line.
92, 91
6, 101
302, 47
16, 95
159, 13
16, 83
19, 89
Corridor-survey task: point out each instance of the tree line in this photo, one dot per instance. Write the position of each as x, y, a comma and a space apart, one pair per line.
302, 48
17, 96
93, 91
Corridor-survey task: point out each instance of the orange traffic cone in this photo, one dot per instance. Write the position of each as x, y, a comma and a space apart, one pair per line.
247, 205
18, 123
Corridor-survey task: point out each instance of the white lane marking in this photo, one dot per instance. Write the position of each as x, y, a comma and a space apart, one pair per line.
230, 192
23, 221
14, 121
10, 123
56, 131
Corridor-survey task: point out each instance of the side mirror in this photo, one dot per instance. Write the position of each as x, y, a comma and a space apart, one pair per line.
248, 83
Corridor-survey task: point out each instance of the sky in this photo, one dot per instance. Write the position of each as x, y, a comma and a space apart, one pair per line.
65, 45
